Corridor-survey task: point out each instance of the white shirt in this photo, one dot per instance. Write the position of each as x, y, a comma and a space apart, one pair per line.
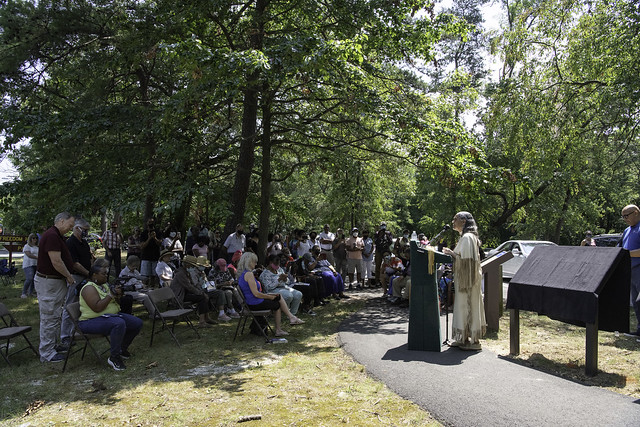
304, 247
235, 243
327, 236
164, 272
29, 262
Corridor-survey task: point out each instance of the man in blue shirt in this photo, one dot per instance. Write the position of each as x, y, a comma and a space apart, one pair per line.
631, 242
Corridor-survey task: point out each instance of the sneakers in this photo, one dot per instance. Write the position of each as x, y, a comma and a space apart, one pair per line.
224, 318
23, 296
116, 363
125, 354
233, 315
58, 357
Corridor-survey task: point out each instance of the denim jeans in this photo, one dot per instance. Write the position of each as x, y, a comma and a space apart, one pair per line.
122, 328
29, 288
635, 291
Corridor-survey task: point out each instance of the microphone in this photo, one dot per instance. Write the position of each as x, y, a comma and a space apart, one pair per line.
435, 239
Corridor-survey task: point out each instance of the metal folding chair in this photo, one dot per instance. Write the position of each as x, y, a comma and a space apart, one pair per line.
78, 335
10, 330
166, 296
247, 314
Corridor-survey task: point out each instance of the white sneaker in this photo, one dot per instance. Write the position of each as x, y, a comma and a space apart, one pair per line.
224, 318
23, 296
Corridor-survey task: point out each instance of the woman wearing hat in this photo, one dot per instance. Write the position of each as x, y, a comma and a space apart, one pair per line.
469, 323
163, 268
186, 289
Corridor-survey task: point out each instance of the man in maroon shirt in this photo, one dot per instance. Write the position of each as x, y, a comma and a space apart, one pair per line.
53, 277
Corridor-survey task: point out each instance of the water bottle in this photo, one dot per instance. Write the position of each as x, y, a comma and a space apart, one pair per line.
414, 236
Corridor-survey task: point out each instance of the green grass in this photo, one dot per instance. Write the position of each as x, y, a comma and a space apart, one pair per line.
207, 381
559, 348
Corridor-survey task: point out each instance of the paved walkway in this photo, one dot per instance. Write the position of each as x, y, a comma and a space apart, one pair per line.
475, 388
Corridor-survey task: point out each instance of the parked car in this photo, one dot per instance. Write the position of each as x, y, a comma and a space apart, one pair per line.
521, 250
607, 239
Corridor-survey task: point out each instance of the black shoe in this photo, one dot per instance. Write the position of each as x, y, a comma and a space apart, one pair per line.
116, 363
64, 345
125, 354
344, 297
358, 287
58, 357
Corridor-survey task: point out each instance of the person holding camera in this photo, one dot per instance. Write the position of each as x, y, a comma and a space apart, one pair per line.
100, 313
256, 299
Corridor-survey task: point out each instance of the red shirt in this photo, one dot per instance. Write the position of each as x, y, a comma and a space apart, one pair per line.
52, 240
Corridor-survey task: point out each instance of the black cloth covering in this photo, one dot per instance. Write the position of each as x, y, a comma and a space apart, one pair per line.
573, 284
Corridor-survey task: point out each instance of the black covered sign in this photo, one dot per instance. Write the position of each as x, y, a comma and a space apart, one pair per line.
574, 284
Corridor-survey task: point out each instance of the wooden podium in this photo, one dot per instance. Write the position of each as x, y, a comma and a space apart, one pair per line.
493, 300
424, 315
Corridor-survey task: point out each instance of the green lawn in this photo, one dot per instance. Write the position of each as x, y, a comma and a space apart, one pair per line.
207, 381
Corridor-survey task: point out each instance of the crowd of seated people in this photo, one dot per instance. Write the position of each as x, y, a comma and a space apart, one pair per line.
303, 270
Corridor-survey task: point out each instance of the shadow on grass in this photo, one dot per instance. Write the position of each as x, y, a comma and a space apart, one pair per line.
213, 361
570, 371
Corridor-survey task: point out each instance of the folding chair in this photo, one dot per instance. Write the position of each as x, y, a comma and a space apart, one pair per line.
166, 295
11, 329
7, 272
78, 335
247, 314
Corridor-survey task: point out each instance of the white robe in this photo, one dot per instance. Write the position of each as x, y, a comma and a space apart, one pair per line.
469, 322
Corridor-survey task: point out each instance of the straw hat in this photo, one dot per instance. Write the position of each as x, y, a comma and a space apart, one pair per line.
203, 261
191, 260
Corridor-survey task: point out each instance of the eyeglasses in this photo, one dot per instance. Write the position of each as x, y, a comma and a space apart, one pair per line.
625, 216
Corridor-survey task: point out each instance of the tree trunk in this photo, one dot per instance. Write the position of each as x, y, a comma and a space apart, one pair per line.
246, 156
265, 182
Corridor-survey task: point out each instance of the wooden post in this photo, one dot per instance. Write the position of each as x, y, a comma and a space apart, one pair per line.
591, 353
514, 332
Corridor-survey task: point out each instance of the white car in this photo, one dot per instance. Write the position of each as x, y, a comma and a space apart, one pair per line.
521, 250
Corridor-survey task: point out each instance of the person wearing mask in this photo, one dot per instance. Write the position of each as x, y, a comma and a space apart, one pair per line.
185, 288
29, 262
276, 281
100, 313
303, 246
326, 238
234, 242
383, 241
82, 259
112, 241
631, 242
275, 245
133, 243
151, 241
52, 281
340, 255
368, 273
354, 246
257, 299
588, 241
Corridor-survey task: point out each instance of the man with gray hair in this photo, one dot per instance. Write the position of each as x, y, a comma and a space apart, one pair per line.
82, 259
52, 280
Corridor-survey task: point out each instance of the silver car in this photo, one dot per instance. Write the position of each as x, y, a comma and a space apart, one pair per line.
521, 250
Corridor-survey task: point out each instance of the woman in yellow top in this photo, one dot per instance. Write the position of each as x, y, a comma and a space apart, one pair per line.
100, 314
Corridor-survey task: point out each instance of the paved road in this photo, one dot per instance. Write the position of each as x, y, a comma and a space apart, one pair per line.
475, 388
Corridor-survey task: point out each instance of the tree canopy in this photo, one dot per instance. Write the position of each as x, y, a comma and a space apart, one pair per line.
291, 114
